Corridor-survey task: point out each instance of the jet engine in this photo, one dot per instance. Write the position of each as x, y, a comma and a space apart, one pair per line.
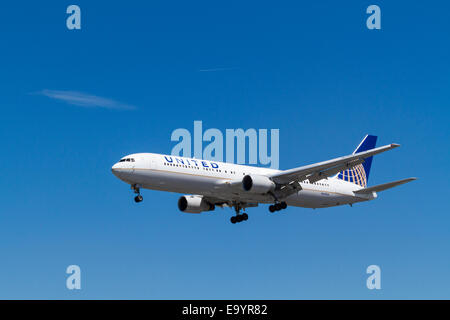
194, 204
257, 184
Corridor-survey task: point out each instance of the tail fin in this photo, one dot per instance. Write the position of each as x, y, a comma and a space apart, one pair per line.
360, 173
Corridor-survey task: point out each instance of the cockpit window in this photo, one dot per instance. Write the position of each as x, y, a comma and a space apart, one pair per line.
127, 160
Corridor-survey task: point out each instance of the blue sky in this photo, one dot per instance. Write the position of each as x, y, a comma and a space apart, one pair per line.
312, 70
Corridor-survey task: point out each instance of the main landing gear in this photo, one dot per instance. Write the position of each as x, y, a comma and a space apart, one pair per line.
278, 206
238, 217
137, 190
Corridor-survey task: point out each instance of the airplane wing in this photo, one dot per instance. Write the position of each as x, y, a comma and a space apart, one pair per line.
383, 186
322, 170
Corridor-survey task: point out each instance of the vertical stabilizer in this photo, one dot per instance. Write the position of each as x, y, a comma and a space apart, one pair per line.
360, 174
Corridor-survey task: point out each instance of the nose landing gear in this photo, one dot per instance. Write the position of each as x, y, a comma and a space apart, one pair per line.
137, 190
278, 206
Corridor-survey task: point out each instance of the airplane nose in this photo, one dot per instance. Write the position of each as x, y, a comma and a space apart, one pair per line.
114, 169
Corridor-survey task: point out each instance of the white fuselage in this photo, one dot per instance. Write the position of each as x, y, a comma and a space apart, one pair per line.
203, 177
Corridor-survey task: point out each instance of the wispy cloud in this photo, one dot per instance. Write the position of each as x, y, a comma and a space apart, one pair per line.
85, 100
216, 69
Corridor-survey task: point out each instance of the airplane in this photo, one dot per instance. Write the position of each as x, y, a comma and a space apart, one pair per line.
210, 184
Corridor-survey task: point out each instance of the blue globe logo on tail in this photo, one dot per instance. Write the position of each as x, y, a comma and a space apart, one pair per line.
360, 174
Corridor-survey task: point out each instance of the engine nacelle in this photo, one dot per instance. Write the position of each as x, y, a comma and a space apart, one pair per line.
257, 184
194, 204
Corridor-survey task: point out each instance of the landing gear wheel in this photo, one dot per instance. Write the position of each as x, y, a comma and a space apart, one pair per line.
238, 217
272, 208
283, 205
138, 198
277, 206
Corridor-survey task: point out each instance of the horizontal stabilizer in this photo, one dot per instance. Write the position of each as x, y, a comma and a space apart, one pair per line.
383, 186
